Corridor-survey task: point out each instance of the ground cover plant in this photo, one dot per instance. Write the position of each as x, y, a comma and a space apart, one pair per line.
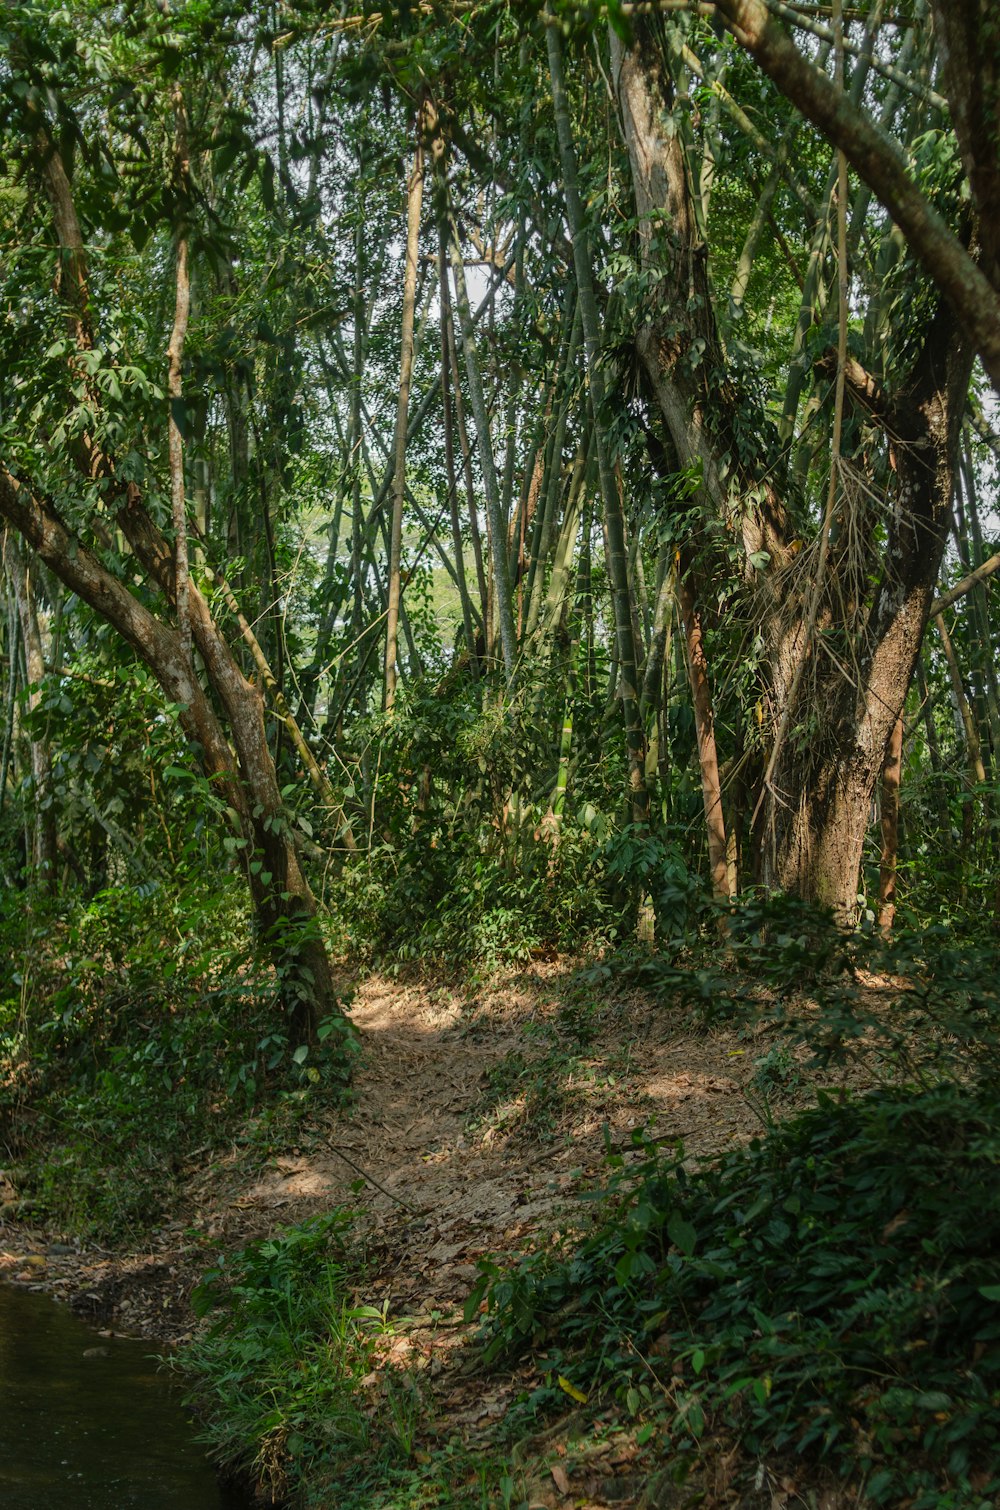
815, 1295
279, 1365
135, 1027
830, 1292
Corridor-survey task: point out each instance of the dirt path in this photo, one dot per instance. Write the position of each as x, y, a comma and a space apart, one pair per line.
473, 1120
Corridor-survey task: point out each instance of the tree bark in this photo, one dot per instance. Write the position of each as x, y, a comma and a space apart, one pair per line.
704, 722
891, 774
819, 799
43, 828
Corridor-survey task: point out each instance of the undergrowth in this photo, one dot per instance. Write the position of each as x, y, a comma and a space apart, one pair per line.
135, 1027
830, 1294
284, 1382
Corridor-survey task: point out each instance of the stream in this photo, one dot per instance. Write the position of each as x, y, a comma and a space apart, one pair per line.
89, 1423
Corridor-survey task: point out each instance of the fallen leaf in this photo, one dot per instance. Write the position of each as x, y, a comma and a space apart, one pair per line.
559, 1478
572, 1391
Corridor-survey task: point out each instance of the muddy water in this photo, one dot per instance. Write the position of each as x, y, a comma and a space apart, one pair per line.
87, 1422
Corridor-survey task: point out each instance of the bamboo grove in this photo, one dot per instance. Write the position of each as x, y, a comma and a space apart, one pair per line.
462, 458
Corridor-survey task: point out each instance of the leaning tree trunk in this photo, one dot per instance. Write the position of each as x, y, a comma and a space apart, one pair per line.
283, 903
284, 906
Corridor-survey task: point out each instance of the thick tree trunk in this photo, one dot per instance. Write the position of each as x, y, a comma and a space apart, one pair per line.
818, 801
836, 710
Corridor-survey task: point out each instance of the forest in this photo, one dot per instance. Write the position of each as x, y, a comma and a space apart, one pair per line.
499, 807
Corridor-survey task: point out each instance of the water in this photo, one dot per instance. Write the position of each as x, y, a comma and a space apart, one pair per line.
91, 1433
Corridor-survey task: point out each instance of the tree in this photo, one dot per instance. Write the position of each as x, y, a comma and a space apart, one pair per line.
75, 455
844, 619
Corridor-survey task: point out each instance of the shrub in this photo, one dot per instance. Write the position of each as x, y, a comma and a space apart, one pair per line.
831, 1291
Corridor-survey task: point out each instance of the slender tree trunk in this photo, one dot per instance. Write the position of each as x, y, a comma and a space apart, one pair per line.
613, 518
704, 722
449, 447
10, 696
497, 526
414, 203
967, 722
175, 393
891, 774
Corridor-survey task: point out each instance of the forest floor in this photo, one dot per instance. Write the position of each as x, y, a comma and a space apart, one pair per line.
477, 1119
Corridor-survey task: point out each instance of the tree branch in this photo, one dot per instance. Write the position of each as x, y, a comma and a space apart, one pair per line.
980, 574
879, 162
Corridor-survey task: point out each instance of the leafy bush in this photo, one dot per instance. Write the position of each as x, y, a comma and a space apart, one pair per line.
450, 900
134, 1026
832, 1290
919, 1006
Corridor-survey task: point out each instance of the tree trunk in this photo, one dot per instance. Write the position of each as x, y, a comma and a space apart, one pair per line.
283, 903
414, 203
284, 906
617, 555
704, 722
839, 709
879, 162
891, 774
42, 860
818, 801
500, 576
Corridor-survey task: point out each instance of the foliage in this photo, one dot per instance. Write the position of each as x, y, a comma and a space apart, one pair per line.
815, 1293
921, 1005
485, 821
468, 863
277, 1371
133, 1028
829, 1292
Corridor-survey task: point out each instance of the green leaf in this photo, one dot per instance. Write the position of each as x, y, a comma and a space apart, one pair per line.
682, 1234
471, 1308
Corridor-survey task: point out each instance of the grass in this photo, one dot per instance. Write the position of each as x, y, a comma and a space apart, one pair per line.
292, 1385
